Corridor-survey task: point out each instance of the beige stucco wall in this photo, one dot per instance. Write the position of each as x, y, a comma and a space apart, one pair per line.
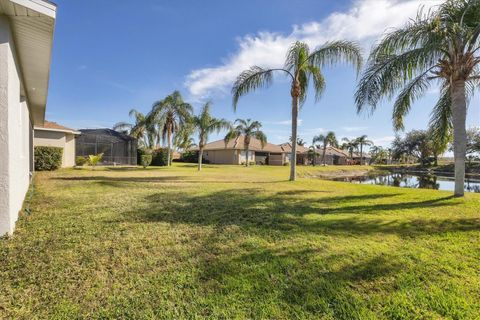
221, 156
14, 134
57, 139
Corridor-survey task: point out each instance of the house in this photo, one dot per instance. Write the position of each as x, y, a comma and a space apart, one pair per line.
333, 156
117, 148
26, 37
302, 152
51, 134
234, 152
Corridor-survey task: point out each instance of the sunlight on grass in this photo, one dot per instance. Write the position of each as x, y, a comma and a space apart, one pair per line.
234, 242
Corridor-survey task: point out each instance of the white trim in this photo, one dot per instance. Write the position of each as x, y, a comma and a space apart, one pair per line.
57, 130
46, 8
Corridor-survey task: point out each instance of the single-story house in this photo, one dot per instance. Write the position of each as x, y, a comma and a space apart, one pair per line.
51, 134
233, 152
333, 156
302, 152
117, 148
26, 37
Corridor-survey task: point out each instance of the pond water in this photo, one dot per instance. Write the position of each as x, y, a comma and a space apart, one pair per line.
412, 180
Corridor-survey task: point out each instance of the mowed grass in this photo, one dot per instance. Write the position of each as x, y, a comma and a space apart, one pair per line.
234, 242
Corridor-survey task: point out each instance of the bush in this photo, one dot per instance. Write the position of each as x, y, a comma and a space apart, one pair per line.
146, 160
48, 158
190, 156
80, 161
94, 159
159, 157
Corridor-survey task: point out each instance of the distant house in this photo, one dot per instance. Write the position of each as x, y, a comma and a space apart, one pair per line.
302, 153
51, 134
234, 152
26, 37
117, 148
333, 156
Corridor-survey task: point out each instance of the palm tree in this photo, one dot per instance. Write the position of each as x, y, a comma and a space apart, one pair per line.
142, 129
350, 145
249, 129
300, 66
440, 45
171, 114
363, 141
326, 140
206, 124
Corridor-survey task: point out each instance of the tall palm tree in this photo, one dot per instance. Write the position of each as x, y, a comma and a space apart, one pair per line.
142, 129
171, 114
326, 140
206, 124
249, 129
300, 66
363, 141
440, 45
351, 145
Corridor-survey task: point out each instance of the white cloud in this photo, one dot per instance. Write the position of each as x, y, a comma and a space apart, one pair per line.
364, 21
383, 141
354, 129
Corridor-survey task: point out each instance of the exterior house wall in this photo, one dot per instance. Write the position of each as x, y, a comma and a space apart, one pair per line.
15, 132
276, 159
58, 139
221, 156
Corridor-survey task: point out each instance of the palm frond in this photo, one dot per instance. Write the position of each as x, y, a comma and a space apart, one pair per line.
410, 93
441, 118
337, 52
250, 80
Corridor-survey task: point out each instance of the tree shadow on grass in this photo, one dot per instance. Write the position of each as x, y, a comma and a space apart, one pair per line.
257, 212
302, 281
106, 180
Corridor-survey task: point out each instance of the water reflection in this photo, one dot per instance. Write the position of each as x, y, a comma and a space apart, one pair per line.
422, 181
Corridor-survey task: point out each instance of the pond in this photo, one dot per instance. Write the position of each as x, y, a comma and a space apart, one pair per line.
414, 180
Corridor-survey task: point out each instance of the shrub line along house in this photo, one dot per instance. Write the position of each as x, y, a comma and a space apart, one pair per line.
51, 134
26, 37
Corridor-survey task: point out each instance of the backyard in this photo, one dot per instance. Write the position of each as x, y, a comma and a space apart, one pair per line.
235, 242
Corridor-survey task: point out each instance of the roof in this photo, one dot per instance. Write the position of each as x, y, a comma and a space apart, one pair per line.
106, 134
287, 147
332, 151
32, 23
239, 144
53, 126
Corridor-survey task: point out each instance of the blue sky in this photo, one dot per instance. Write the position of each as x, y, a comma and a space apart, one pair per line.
114, 55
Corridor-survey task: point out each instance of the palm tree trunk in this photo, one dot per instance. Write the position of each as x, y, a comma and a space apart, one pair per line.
459, 113
247, 153
323, 155
200, 157
293, 160
361, 154
169, 143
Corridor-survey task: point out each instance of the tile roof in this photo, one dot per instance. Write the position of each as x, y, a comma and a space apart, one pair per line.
54, 126
287, 147
239, 144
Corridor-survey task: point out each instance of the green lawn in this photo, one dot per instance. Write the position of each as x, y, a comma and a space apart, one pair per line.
234, 242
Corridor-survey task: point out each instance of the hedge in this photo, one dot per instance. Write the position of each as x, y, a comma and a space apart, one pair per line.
47, 158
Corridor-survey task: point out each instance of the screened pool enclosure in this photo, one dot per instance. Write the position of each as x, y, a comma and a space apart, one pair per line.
117, 148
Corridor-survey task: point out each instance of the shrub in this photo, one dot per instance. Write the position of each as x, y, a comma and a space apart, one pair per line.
48, 158
146, 160
80, 161
159, 157
190, 156
93, 160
